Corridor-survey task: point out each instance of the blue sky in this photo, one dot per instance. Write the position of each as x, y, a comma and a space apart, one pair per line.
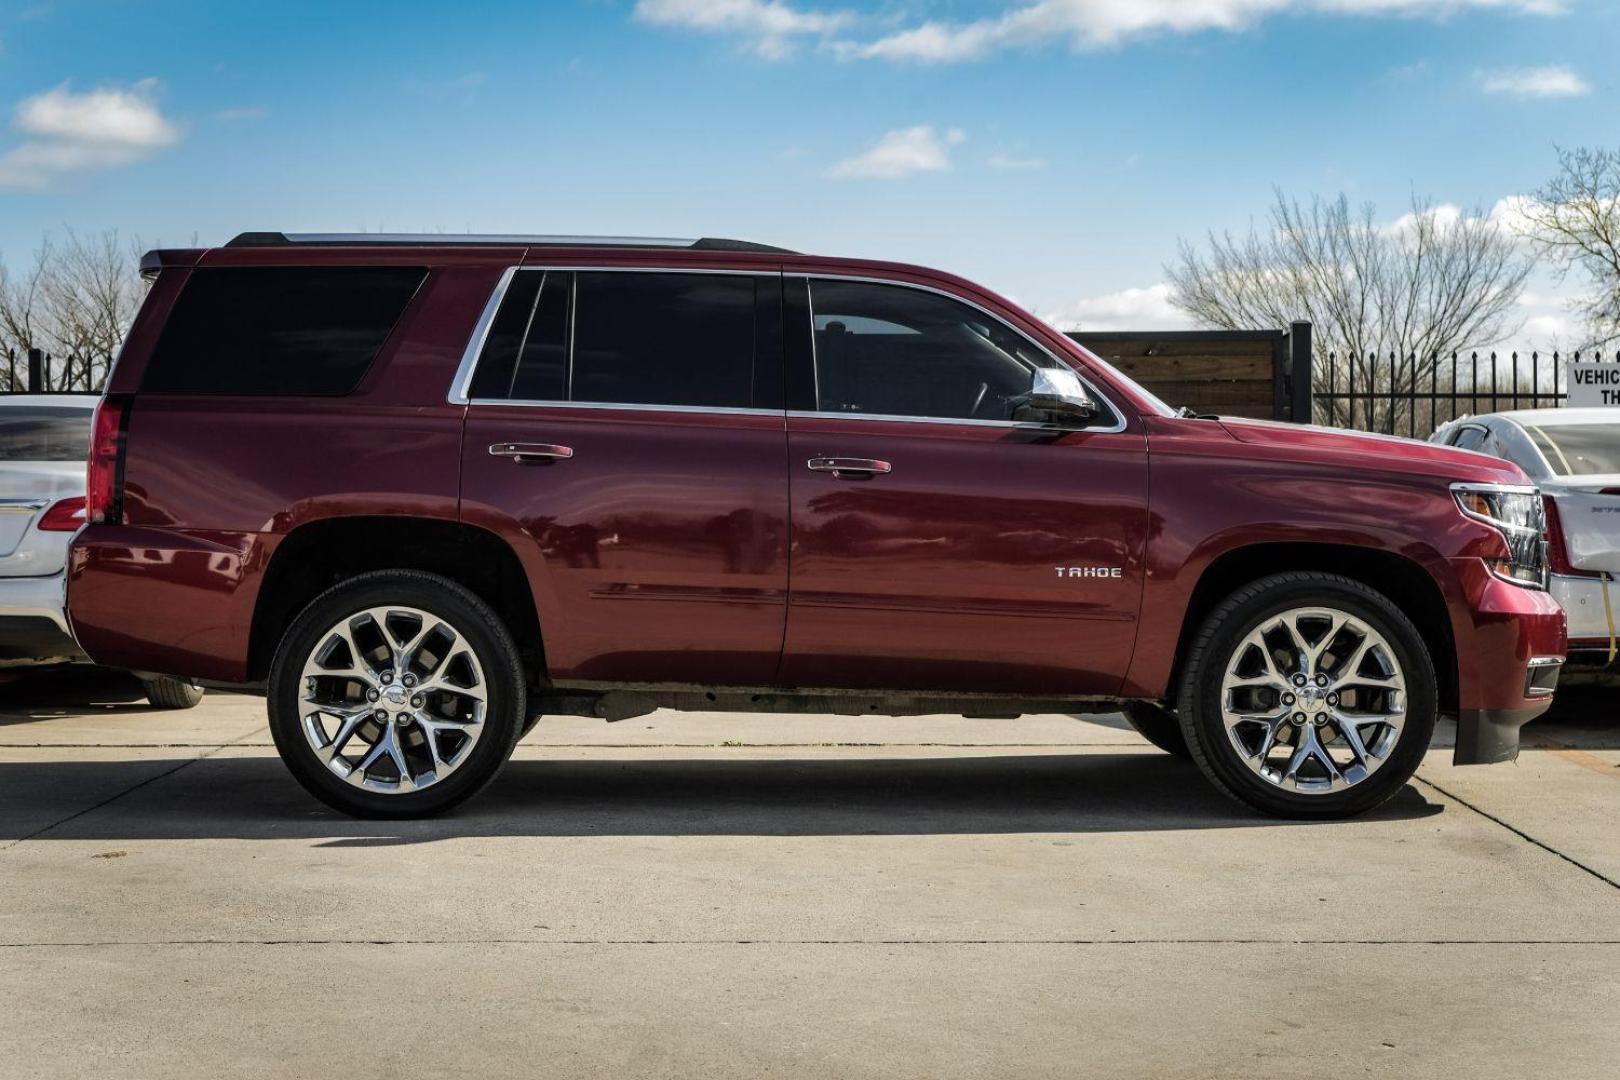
1052, 149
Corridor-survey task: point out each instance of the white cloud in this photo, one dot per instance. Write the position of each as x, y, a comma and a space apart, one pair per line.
901, 153
1010, 162
1534, 82
1093, 24
1128, 309
768, 27
64, 132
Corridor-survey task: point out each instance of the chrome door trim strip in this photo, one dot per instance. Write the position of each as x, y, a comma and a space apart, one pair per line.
719, 410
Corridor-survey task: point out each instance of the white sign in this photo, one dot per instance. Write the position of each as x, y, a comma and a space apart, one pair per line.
1592, 382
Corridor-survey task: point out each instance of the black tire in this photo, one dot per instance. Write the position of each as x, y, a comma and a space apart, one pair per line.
1158, 726
485, 634
165, 692
1212, 649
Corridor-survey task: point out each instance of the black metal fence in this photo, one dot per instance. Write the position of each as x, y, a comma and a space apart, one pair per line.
1412, 395
35, 371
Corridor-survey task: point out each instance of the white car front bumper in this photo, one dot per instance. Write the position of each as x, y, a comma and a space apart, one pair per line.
33, 622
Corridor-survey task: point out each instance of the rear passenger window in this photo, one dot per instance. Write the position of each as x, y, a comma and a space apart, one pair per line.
1470, 438
294, 331
622, 338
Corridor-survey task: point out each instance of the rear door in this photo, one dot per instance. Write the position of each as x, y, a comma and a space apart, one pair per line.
625, 432
955, 549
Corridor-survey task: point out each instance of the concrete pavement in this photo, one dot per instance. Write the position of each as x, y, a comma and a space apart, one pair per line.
699, 895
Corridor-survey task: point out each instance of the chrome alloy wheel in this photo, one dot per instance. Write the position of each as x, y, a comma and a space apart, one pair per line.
392, 699
1313, 700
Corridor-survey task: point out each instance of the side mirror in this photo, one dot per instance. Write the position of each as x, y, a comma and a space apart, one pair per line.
1056, 396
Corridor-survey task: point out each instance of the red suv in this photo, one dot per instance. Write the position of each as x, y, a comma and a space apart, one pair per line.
422, 490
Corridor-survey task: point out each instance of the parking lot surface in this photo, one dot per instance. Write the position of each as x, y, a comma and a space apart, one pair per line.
715, 896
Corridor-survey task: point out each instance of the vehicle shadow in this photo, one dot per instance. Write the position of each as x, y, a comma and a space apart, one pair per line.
29, 695
252, 798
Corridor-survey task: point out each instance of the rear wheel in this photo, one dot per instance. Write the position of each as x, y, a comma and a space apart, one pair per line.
1308, 695
396, 694
1158, 725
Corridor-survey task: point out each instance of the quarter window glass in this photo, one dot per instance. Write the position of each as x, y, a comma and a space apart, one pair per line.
663, 339
498, 362
890, 350
542, 373
1470, 438
288, 331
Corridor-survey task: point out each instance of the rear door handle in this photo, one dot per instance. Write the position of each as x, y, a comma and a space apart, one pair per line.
522, 452
850, 466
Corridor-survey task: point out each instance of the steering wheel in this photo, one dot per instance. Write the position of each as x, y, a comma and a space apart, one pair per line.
978, 399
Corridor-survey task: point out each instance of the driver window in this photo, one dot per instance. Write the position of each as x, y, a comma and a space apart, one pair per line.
889, 350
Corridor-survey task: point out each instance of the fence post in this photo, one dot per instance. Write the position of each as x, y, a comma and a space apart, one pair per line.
1299, 372
36, 371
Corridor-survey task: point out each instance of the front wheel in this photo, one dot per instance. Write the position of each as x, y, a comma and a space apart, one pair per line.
1308, 695
167, 692
396, 694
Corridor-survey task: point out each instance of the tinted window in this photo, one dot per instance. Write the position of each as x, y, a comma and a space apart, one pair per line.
44, 433
663, 339
543, 372
896, 351
1469, 438
498, 362
278, 331
1579, 449
623, 339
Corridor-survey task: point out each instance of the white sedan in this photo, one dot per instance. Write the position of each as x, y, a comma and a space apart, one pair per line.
44, 439
1573, 455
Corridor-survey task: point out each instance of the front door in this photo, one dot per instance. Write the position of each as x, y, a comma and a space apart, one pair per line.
621, 434
937, 544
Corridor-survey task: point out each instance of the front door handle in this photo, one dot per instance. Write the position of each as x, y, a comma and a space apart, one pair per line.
526, 452
856, 467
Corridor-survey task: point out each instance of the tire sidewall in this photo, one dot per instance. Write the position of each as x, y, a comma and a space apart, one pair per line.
1200, 699
472, 619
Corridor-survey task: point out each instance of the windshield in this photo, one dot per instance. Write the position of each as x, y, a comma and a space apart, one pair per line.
44, 433
1152, 399
1579, 449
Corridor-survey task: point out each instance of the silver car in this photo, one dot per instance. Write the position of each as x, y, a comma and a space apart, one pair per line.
1573, 455
44, 439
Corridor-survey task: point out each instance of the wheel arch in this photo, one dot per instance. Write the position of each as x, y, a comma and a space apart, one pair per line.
1405, 581
317, 555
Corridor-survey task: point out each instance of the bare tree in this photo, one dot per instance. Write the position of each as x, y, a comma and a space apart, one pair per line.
1575, 219
75, 303
1386, 300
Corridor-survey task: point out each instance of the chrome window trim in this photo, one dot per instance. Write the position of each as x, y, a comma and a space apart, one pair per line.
462, 382
1119, 414
719, 410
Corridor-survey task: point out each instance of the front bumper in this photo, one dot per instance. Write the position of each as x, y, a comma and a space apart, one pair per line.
1511, 642
33, 626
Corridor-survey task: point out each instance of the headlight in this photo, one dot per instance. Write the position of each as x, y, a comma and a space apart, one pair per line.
1516, 513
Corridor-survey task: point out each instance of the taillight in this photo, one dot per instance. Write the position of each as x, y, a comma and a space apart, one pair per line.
104, 479
1557, 545
65, 516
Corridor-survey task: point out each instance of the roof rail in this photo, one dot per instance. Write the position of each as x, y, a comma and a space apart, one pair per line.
279, 239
